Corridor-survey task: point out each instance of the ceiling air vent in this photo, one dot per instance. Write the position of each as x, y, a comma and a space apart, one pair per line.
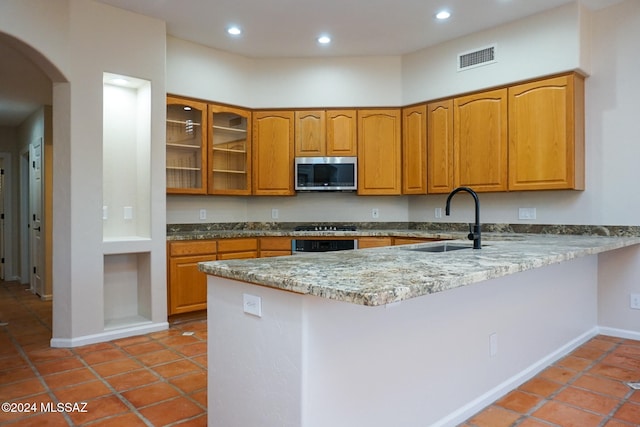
477, 58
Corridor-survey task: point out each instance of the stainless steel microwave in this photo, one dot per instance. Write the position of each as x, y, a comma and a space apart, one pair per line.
326, 173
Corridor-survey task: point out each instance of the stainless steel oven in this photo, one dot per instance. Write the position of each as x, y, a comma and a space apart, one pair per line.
323, 243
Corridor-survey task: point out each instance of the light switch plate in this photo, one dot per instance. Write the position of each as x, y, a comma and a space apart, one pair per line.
252, 304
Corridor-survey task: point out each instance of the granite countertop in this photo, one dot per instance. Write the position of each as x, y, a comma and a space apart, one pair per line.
239, 233
380, 276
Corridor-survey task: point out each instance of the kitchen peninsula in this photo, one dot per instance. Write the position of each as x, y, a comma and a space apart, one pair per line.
395, 336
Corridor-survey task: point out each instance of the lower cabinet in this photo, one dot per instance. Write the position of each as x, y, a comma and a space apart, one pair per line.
376, 242
412, 240
373, 242
187, 290
238, 248
275, 246
187, 286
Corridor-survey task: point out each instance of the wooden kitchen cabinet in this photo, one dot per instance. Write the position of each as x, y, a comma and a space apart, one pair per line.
342, 135
546, 134
413, 240
373, 242
275, 246
273, 153
322, 133
414, 150
480, 141
440, 147
186, 146
187, 286
379, 152
237, 248
229, 150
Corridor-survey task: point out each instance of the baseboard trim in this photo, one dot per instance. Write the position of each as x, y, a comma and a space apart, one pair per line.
619, 333
514, 382
109, 335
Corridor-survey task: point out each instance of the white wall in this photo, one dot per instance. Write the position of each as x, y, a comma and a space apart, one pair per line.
539, 45
612, 127
567, 38
422, 362
74, 42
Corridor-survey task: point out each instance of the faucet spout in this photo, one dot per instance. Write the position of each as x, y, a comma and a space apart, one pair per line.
474, 231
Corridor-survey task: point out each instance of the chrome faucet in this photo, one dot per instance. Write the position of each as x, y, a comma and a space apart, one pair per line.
474, 230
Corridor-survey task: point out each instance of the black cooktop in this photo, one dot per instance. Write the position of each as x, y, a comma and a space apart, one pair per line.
325, 228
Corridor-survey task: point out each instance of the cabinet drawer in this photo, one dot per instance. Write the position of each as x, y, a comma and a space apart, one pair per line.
268, 253
237, 245
201, 247
373, 242
412, 240
275, 244
238, 255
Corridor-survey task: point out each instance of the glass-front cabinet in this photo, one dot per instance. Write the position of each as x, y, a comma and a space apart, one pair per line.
230, 154
186, 146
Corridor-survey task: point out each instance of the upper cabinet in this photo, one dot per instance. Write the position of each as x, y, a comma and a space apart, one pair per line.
310, 129
546, 134
440, 147
342, 135
414, 150
273, 152
229, 150
325, 133
379, 152
186, 146
480, 141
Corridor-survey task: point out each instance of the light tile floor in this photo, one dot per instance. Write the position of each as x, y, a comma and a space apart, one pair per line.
160, 379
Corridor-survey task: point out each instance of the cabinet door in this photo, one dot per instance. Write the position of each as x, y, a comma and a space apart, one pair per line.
414, 150
310, 133
229, 150
342, 135
379, 152
273, 153
187, 284
440, 147
546, 134
480, 141
186, 162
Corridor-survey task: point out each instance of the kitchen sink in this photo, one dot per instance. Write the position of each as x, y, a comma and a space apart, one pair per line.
444, 247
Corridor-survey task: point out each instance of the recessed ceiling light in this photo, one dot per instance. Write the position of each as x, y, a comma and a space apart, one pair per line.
324, 39
186, 108
234, 30
443, 14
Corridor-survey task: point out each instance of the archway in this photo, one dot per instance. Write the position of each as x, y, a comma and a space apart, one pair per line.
31, 89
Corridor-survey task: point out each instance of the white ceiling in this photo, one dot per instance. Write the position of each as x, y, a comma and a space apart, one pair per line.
288, 28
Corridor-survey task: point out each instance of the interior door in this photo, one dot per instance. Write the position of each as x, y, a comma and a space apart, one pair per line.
35, 190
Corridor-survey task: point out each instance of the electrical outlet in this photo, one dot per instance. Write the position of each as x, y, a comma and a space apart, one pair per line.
203, 214
275, 213
128, 212
375, 213
634, 301
105, 212
252, 304
527, 213
438, 213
